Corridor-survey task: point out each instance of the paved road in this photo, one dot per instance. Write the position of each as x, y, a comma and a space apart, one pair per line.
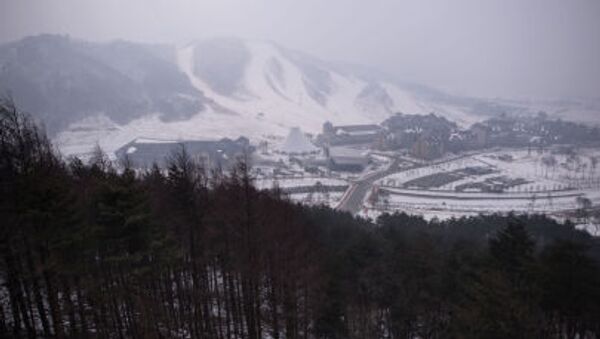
352, 200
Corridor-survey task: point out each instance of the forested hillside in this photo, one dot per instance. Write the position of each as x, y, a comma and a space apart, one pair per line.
61, 81
91, 251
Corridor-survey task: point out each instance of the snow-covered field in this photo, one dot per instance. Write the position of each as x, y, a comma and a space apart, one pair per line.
268, 102
400, 178
550, 187
548, 202
593, 229
567, 171
207, 125
307, 190
298, 182
329, 199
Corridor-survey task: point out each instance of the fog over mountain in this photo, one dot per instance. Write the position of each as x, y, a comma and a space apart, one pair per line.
61, 80
498, 48
106, 72
109, 93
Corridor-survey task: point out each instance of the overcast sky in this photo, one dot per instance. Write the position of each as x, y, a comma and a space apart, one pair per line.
494, 48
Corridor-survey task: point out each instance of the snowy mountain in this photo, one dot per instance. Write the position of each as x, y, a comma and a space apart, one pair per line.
110, 93
266, 84
261, 90
61, 81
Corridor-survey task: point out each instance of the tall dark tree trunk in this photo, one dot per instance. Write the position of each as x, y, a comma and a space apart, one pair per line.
54, 305
37, 291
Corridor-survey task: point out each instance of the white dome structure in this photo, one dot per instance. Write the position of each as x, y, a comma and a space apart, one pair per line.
297, 143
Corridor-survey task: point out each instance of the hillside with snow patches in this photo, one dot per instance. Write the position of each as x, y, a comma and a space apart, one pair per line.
260, 90
110, 93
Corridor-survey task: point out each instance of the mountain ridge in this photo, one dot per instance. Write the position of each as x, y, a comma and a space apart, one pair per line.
109, 93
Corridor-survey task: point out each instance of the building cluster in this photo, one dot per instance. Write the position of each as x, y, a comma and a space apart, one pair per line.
430, 136
424, 136
144, 153
346, 159
346, 135
346, 147
533, 131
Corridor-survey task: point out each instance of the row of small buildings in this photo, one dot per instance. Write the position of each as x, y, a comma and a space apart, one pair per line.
431, 136
425, 137
340, 148
345, 147
223, 153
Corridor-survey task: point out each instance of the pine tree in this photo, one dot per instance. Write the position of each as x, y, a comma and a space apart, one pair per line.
570, 282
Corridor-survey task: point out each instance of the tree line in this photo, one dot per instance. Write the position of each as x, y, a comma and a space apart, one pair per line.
92, 251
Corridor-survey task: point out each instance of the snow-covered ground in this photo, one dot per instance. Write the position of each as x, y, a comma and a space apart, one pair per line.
575, 170
298, 182
400, 178
546, 202
530, 166
268, 102
309, 190
547, 189
329, 199
593, 229
207, 125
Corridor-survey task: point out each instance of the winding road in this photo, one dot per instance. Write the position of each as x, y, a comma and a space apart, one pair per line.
353, 198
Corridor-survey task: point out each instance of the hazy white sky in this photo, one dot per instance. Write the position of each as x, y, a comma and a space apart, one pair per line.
506, 48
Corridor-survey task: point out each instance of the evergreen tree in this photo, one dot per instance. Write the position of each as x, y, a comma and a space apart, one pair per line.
570, 281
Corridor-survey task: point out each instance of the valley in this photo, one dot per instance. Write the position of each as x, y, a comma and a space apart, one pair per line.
391, 147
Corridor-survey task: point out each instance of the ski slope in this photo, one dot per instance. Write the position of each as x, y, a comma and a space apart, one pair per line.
277, 90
